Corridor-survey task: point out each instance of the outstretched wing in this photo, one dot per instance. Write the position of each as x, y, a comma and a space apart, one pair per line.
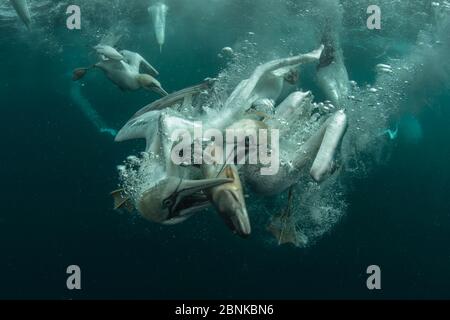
136, 60
174, 98
140, 127
241, 99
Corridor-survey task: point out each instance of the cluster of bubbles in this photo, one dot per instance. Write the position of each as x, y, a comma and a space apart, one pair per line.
139, 173
240, 61
319, 208
403, 85
406, 82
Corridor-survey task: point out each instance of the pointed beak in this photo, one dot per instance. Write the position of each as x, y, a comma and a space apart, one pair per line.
192, 194
241, 222
229, 201
159, 91
190, 187
233, 210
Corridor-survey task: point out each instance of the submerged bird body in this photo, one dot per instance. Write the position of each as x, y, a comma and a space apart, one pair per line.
122, 74
124, 70
22, 10
109, 52
332, 75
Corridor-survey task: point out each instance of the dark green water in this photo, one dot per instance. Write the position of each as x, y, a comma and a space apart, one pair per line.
57, 172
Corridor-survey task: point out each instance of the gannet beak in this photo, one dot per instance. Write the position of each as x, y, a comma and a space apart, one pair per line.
233, 210
174, 198
191, 187
229, 201
191, 195
160, 91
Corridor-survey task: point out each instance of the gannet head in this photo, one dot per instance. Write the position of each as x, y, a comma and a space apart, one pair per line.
146, 81
173, 198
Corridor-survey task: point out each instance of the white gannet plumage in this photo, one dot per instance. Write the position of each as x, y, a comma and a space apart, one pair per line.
108, 52
332, 75
254, 88
136, 61
124, 70
21, 7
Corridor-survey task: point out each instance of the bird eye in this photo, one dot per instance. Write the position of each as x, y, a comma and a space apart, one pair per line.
167, 203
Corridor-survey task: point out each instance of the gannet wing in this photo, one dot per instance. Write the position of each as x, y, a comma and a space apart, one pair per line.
136, 60
131, 58
322, 165
22, 10
112, 66
241, 99
282, 71
238, 91
148, 67
296, 106
108, 52
156, 128
142, 127
173, 98
169, 125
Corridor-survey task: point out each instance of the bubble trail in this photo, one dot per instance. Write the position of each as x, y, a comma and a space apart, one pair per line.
88, 110
158, 12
